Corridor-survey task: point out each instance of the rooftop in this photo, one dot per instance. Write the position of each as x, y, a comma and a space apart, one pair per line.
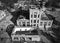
22, 29
33, 32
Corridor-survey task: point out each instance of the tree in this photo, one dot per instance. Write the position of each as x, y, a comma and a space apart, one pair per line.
53, 3
10, 29
55, 31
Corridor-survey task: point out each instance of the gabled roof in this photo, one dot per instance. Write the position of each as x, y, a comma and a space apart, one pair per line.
21, 17
44, 17
50, 16
23, 20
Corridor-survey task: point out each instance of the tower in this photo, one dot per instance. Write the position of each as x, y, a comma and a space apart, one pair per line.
36, 20
35, 17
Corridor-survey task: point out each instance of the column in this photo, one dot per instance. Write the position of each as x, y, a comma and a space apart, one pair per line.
21, 23
26, 23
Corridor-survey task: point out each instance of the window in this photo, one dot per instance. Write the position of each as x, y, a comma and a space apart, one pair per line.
23, 24
28, 38
22, 38
31, 24
35, 13
35, 16
20, 23
37, 21
34, 24
31, 16
45, 23
37, 25
28, 23
49, 23
34, 21
41, 23
16, 38
38, 16
31, 21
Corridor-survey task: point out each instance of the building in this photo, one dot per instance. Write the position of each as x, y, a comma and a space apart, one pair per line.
25, 28
25, 36
37, 18
34, 17
23, 22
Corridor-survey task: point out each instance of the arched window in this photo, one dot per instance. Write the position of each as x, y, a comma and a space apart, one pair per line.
31, 16
37, 21
35, 13
41, 23
34, 21
16, 38
49, 23
38, 15
35, 16
45, 23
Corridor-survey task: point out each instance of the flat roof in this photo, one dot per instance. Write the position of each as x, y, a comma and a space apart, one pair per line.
22, 29
32, 32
